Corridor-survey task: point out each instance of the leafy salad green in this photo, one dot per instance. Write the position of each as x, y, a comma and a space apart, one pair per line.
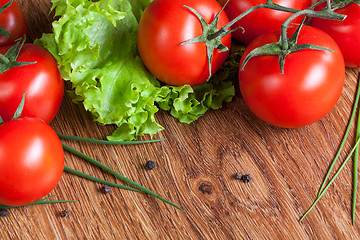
95, 46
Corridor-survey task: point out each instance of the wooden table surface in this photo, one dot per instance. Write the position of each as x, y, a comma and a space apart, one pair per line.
195, 169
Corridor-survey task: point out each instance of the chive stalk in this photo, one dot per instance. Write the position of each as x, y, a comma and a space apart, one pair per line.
94, 179
355, 178
343, 140
116, 174
41, 201
355, 151
99, 141
331, 181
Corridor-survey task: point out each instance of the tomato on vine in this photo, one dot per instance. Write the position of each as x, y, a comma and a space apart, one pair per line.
13, 21
345, 33
309, 87
175, 40
31, 161
31, 69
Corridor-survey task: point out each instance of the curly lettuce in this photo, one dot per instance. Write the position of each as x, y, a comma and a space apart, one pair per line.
95, 46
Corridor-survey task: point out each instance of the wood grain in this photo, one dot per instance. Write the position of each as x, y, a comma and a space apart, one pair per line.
195, 169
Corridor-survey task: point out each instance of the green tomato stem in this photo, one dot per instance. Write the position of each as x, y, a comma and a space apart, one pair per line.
111, 171
8, 60
326, 14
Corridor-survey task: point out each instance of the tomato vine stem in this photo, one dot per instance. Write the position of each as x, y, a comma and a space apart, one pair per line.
336, 4
324, 13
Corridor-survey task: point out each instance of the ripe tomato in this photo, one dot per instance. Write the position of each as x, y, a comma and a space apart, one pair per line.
345, 33
13, 20
167, 23
41, 82
309, 88
261, 20
31, 161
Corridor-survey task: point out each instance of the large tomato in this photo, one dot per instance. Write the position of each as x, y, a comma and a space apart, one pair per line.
308, 89
13, 20
31, 161
261, 20
41, 82
164, 25
345, 33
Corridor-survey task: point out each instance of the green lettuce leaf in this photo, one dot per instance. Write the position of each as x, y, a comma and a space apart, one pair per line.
95, 46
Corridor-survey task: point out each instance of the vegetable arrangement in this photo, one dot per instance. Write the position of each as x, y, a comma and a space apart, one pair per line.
96, 48
126, 59
31, 153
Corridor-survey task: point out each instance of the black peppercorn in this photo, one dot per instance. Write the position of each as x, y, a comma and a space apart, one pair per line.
150, 165
106, 189
65, 213
246, 178
238, 176
3, 212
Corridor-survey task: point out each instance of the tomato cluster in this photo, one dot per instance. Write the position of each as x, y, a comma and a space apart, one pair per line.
302, 90
31, 155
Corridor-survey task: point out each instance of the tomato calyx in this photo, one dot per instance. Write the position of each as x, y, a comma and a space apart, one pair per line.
18, 111
4, 32
282, 51
208, 36
8, 60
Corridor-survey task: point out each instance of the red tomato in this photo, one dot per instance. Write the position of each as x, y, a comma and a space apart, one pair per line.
345, 33
13, 20
261, 20
31, 161
41, 81
309, 88
167, 23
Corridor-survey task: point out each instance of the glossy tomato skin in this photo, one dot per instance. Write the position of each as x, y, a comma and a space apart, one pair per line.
31, 161
309, 88
345, 33
167, 23
41, 82
13, 20
261, 20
